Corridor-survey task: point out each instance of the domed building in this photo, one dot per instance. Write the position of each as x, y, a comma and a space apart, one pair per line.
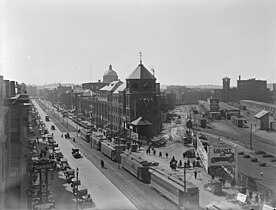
110, 75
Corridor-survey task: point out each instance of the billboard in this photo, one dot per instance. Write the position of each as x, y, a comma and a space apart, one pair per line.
214, 104
202, 154
222, 155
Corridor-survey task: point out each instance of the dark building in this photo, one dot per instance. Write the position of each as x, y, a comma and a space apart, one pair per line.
14, 119
143, 101
252, 89
225, 89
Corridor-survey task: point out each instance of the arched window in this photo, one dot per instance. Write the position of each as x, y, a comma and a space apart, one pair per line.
146, 86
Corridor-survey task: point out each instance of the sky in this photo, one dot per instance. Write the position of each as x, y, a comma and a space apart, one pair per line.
186, 42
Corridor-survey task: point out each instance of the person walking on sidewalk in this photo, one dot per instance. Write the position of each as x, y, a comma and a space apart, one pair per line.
195, 173
160, 154
102, 163
167, 155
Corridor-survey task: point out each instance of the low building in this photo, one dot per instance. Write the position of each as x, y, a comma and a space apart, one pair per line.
262, 120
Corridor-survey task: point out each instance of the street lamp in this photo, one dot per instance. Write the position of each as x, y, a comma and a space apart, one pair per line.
77, 190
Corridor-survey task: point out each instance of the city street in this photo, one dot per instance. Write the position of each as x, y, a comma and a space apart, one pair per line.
104, 194
140, 194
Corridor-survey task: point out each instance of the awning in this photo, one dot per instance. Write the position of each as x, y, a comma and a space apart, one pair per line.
140, 121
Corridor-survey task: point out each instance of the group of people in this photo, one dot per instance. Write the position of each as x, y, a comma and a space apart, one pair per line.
66, 135
154, 152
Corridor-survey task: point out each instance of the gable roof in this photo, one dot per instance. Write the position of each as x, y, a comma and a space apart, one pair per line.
122, 87
140, 121
111, 86
261, 114
141, 73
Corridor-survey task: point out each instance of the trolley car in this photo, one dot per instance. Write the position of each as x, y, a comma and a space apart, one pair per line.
96, 143
110, 150
85, 135
136, 166
173, 189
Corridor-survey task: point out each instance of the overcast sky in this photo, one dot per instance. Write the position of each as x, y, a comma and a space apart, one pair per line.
187, 42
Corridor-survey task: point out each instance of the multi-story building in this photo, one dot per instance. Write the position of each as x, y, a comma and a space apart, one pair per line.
143, 102
252, 89
13, 145
4, 131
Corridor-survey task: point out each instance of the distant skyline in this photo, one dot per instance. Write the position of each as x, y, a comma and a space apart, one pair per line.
187, 42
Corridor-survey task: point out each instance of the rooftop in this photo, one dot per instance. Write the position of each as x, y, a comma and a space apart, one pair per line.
141, 73
261, 114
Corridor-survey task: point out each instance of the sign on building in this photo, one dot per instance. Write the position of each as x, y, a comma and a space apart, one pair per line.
222, 155
214, 104
202, 152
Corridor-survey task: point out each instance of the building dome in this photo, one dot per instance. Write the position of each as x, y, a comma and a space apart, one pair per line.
110, 75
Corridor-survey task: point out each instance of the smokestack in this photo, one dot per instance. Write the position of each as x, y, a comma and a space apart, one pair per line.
239, 77
99, 80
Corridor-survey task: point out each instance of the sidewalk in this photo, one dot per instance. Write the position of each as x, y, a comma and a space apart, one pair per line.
176, 150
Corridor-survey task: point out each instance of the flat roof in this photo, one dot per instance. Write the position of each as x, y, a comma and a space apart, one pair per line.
252, 169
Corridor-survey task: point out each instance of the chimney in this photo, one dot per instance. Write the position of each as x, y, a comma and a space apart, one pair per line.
12, 88
239, 77
8, 90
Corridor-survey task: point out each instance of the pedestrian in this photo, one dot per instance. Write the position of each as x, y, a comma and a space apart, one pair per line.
61, 135
160, 154
213, 175
102, 163
188, 163
167, 155
154, 152
52, 134
180, 164
194, 164
195, 173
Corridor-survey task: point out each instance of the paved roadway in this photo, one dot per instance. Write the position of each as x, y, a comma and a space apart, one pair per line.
104, 194
140, 194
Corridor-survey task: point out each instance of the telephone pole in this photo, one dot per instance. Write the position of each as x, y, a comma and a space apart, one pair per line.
251, 136
185, 204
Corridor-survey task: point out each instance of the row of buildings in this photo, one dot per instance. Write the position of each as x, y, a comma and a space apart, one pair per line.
251, 89
116, 105
14, 119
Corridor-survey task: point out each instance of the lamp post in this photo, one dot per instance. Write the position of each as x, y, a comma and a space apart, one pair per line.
77, 190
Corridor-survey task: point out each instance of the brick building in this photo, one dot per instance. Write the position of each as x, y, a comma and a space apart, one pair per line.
14, 118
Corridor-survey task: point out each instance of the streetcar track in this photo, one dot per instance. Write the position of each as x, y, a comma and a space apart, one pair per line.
141, 194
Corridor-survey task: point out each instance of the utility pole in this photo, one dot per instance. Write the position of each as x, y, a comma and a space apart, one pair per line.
251, 136
185, 204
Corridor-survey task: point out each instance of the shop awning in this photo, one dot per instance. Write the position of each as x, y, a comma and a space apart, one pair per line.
140, 121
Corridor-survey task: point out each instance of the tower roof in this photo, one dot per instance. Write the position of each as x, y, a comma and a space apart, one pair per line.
110, 72
141, 73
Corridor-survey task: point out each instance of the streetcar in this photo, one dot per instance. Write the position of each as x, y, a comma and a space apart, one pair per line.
85, 135
110, 150
136, 166
172, 188
96, 142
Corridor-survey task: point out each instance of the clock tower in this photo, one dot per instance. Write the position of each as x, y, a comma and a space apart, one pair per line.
143, 102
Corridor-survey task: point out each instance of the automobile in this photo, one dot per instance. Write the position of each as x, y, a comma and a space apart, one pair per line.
53, 127
76, 153
229, 159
